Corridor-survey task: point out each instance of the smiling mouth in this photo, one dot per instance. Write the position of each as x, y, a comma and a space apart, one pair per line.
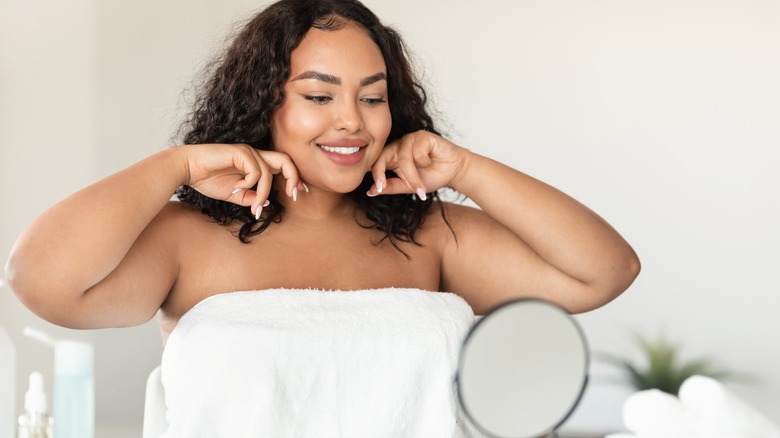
340, 150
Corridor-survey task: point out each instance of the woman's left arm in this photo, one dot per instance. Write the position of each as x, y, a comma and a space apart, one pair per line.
529, 240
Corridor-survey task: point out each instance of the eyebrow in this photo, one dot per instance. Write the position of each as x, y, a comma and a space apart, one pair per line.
330, 79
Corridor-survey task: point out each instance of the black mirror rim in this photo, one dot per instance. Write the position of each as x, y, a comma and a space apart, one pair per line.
585, 372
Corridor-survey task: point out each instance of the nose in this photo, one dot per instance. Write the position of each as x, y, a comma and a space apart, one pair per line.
348, 117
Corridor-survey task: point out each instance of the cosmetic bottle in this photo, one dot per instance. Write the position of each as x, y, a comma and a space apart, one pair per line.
74, 390
35, 422
74, 386
7, 386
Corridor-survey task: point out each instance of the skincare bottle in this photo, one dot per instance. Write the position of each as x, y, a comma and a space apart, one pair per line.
7, 386
74, 386
74, 390
35, 422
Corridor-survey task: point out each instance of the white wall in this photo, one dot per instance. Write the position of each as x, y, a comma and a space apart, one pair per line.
47, 137
660, 115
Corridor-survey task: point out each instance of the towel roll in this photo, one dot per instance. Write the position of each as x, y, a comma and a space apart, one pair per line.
654, 413
713, 410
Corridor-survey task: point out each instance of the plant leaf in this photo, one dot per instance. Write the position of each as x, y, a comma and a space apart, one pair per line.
664, 370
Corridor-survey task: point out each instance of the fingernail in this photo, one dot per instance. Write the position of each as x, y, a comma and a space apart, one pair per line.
371, 195
379, 186
421, 194
266, 203
257, 213
236, 191
305, 187
295, 194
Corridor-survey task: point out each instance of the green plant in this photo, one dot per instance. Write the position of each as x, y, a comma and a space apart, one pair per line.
663, 368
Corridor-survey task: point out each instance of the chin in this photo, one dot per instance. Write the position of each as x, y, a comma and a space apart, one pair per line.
347, 188
335, 184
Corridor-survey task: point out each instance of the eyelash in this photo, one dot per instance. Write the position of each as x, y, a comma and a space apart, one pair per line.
321, 100
374, 101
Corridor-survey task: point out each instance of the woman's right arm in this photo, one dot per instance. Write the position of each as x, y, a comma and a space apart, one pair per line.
106, 255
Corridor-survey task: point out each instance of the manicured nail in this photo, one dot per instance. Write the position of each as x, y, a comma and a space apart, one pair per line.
236, 191
421, 194
305, 187
266, 203
257, 213
371, 195
295, 194
379, 186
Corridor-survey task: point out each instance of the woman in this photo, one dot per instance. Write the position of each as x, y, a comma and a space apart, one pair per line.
311, 164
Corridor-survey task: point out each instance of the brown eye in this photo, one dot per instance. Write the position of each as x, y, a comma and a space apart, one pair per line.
373, 101
317, 99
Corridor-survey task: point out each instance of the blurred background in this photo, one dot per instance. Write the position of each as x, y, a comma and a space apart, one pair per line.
662, 116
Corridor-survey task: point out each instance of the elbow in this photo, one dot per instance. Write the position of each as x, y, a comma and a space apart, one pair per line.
635, 266
623, 274
22, 277
630, 270
15, 279
26, 290
34, 292
611, 284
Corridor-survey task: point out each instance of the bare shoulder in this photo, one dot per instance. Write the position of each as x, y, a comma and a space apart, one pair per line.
448, 226
180, 221
459, 213
457, 218
177, 212
481, 260
191, 236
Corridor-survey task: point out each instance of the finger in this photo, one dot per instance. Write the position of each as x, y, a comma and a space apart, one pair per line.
407, 168
396, 186
264, 183
243, 197
282, 163
422, 152
379, 169
245, 160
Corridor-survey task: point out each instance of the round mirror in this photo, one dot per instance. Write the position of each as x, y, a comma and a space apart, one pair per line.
522, 370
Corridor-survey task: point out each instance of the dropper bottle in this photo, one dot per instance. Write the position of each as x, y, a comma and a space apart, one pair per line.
74, 386
35, 422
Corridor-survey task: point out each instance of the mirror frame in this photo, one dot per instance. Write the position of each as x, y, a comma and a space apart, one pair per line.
585, 372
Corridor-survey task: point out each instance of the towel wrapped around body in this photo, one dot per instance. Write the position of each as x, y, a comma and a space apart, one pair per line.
311, 363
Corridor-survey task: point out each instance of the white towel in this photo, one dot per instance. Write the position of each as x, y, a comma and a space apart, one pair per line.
308, 363
715, 411
704, 409
653, 413
692, 435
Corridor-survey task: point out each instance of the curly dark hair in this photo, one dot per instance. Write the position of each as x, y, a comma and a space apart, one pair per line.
246, 85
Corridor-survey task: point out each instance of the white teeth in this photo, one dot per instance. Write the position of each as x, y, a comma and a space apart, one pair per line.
342, 151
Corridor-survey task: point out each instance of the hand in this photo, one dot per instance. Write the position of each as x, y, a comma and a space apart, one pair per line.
424, 163
229, 171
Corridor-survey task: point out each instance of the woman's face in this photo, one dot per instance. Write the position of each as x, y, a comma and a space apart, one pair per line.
335, 117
